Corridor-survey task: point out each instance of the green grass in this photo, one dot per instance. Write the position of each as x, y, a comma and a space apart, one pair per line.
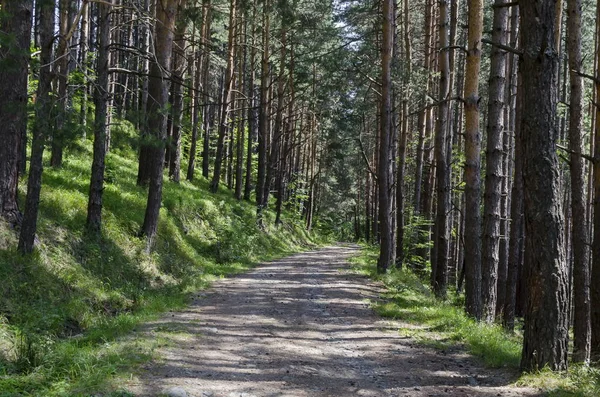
443, 325
67, 312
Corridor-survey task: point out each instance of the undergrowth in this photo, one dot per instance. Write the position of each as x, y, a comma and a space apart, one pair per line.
443, 325
66, 310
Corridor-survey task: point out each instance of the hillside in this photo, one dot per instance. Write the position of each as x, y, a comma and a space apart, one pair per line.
62, 309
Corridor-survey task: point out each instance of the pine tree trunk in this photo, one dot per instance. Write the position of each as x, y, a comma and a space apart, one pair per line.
177, 77
158, 98
62, 75
442, 227
195, 99
224, 122
581, 250
595, 277
493, 172
387, 255
545, 341
14, 61
516, 203
41, 129
251, 110
263, 115
94, 209
473, 162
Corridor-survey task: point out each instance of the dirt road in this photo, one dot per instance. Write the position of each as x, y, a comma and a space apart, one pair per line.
302, 326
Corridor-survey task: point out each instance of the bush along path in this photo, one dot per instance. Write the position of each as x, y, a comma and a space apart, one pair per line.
303, 326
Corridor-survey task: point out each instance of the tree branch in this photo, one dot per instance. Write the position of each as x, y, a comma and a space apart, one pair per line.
364, 155
503, 47
585, 156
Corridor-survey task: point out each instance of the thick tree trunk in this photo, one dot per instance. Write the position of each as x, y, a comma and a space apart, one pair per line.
472, 261
94, 209
41, 129
545, 341
14, 62
158, 98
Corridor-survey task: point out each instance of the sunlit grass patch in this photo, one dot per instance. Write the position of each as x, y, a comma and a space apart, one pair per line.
68, 311
442, 325
410, 301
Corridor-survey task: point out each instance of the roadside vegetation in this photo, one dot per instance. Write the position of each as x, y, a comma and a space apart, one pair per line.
66, 310
444, 324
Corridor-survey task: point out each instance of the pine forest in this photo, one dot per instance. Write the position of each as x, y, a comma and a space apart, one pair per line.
450, 149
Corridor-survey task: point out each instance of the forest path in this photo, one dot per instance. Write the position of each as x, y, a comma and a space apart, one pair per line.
303, 326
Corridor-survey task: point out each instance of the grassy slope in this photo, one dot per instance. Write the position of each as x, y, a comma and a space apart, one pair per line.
445, 324
64, 310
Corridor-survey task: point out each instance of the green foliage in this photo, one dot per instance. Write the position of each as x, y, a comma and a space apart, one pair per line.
66, 311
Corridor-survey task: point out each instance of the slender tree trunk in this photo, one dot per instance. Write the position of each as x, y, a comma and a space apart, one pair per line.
516, 203
493, 172
251, 109
241, 130
41, 128
402, 143
158, 98
62, 60
195, 117
177, 77
545, 340
14, 62
581, 250
387, 253
595, 281
442, 229
263, 115
94, 210
224, 123
472, 162
206, 110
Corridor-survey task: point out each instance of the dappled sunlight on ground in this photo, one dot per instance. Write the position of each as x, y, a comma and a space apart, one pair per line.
303, 326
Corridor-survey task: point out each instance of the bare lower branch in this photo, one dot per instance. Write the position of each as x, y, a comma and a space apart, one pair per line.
503, 47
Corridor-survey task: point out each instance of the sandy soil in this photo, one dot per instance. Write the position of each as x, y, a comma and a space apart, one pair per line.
302, 326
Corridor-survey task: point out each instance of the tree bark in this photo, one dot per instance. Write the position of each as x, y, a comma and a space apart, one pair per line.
101, 97
177, 77
442, 227
545, 341
493, 171
472, 259
224, 122
595, 277
41, 128
581, 247
387, 255
14, 63
263, 115
158, 99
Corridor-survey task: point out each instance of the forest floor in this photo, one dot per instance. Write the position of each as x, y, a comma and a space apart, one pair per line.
303, 326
